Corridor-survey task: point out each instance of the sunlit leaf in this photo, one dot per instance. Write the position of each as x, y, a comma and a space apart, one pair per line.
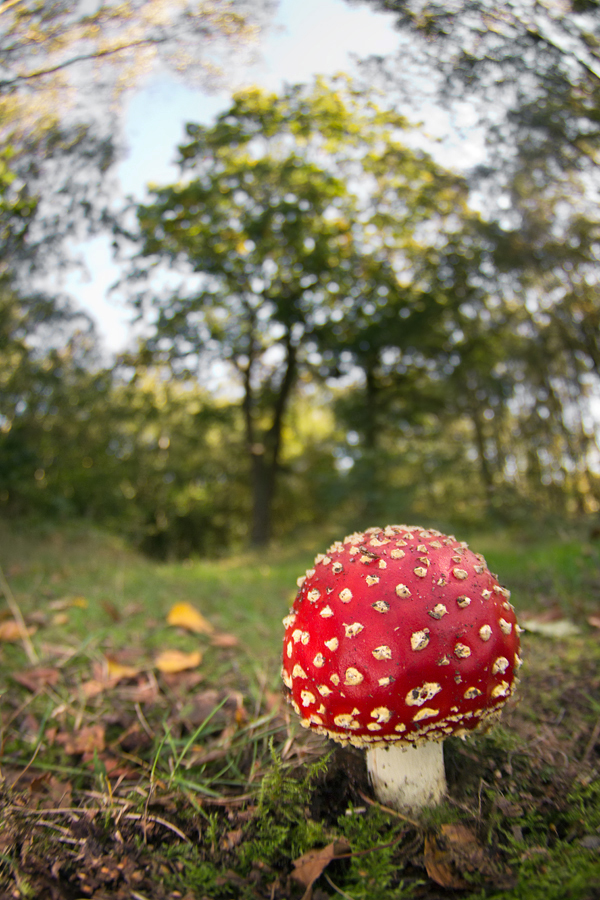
116, 670
70, 602
177, 660
187, 616
560, 628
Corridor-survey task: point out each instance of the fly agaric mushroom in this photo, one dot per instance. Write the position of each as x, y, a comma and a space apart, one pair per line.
399, 637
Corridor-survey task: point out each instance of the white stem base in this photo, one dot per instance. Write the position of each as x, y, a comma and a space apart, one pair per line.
408, 777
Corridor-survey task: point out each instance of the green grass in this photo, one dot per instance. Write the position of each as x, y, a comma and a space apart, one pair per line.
199, 784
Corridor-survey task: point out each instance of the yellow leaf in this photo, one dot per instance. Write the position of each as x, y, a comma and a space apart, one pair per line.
12, 631
187, 616
118, 670
67, 602
177, 661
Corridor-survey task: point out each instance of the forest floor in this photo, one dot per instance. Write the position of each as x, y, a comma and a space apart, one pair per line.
146, 751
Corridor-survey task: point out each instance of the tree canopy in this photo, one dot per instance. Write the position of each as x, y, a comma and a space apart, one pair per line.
306, 219
335, 325
110, 47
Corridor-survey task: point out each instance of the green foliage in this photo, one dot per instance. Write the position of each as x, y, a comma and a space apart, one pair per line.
282, 825
284, 796
373, 869
311, 228
111, 47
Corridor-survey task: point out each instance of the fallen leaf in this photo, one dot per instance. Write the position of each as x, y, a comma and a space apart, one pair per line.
183, 682
50, 791
34, 679
116, 670
79, 602
112, 610
93, 687
232, 839
311, 865
187, 616
86, 740
456, 852
143, 692
177, 661
59, 619
594, 621
223, 640
11, 631
559, 628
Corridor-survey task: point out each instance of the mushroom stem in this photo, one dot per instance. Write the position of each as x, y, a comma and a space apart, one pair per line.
408, 777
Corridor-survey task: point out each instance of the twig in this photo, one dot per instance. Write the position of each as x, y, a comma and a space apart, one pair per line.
136, 817
158, 821
66, 838
336, 888
386, 809
591, 743
16, 614
73, 811
373, 849
143, 721
227, 801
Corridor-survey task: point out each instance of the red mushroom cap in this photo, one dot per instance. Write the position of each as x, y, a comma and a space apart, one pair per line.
399, 634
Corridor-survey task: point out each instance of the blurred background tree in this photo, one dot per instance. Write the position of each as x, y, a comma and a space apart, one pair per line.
306, 223
337, 328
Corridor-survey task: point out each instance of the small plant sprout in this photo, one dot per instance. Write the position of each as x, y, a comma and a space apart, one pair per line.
399, 637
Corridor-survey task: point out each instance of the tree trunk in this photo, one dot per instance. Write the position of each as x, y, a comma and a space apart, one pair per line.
485, 469
370, 480
265, 456
263, 490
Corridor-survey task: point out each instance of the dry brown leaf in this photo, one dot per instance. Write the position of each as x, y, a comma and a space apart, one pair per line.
441, 860
11, 631
86, 740
112, 611
187, 616
455, 852
311, 865
177, 661
594, 621
183, 682
50, 792
93, 687
224, 640
34, 679
232, 839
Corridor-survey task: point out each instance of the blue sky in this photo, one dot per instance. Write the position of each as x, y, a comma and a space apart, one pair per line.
309, 37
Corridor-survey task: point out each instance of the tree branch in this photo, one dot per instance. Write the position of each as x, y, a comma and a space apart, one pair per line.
84, 57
